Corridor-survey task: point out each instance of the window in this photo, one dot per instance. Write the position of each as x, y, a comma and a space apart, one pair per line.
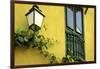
74, 33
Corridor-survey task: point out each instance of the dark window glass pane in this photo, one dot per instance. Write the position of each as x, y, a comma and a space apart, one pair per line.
79, 21
70, 18
71, 45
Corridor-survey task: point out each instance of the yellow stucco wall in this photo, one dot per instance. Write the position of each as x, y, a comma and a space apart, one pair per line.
89, 34
54, 28
54, 25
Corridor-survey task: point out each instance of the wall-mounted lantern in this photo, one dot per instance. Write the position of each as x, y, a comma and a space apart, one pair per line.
35, 18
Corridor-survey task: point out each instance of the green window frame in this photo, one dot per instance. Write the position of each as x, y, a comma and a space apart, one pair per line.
74, 37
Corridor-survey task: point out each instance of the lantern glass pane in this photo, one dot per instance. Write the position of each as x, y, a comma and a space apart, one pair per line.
38, 18
30, 18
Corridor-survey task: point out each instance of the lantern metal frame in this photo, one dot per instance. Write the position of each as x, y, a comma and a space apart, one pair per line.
33, 26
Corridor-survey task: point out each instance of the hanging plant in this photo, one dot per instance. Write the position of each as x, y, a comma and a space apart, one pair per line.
34, 40
21, 39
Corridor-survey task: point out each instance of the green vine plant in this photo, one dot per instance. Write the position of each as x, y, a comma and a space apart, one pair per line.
34, 40
68, 58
